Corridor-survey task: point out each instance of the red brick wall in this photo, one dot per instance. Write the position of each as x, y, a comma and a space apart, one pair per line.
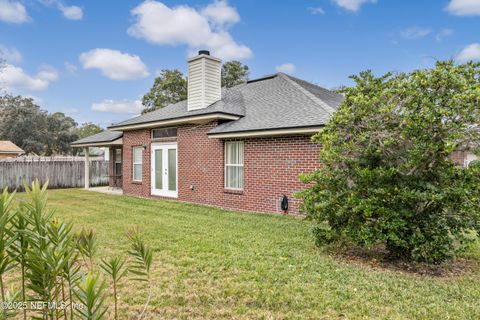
135, 139
271, 169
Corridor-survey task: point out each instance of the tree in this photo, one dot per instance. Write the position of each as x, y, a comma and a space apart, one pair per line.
169, 87
23, 123
386, 175
88, 129
60, 133
234, 73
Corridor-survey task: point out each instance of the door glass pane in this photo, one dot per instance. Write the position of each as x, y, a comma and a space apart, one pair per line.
158, 169
172, 169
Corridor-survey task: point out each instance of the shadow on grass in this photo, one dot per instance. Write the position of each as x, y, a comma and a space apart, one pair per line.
378, 258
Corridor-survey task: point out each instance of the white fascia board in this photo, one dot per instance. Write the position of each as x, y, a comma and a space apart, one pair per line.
266, 133
118, 142
161, 123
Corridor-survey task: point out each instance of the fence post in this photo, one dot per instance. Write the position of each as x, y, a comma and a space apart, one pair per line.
87, 167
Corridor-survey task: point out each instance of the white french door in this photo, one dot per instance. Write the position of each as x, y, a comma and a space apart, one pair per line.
164, 169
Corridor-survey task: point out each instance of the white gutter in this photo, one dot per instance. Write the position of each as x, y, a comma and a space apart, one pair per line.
213, 116
266, 133
117, 142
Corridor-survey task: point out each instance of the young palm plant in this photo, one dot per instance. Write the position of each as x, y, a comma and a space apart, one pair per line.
72, 274
91, 294
141, 262
20, 249
114, 267
61, 237
44, 260
7, 239
87, 245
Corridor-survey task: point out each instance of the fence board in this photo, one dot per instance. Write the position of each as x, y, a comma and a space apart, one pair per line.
60, 174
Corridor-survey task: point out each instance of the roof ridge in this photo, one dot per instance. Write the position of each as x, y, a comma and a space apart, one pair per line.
265, 77
310, 95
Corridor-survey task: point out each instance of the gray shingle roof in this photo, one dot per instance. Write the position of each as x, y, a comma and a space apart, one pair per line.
281, 101
273, 102
231, 103
105, 136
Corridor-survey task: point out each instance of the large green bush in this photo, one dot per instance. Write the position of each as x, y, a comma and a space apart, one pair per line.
387, 176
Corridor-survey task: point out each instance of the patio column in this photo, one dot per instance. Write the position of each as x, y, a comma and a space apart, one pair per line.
87, 167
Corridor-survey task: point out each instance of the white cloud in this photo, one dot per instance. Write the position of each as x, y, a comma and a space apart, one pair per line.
118, 106
464, 7
70, 111
114, 64
415, 33
352, 5
71, 12
469, 53
48, 73
316, 10
70, 67
13, 12
10, 54
444, 33
198, 29
286, 68
13, 77
221, 14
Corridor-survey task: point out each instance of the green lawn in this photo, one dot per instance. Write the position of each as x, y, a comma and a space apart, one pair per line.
211, 263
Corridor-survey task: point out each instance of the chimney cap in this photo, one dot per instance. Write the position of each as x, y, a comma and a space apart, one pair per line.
206, 52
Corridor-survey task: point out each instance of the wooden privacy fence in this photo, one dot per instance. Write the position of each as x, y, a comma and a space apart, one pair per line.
59, 173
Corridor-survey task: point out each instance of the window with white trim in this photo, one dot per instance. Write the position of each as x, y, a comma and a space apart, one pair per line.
137, 163
234, 165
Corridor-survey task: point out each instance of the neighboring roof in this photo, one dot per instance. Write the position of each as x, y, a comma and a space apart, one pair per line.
272, 102
9, 147
106, 136
280, 102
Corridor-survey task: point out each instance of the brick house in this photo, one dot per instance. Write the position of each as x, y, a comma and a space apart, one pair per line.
239, 148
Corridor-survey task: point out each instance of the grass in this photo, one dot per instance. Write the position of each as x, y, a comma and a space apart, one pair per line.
211, 263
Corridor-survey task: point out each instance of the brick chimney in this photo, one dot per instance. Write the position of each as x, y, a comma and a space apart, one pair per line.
204, 81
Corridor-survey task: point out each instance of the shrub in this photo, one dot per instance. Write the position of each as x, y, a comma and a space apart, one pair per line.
386, 175
45, 254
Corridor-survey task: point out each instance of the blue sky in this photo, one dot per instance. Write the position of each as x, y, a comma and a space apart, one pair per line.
94, 60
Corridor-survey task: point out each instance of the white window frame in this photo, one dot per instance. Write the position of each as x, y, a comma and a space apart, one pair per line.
137, 163
226, 165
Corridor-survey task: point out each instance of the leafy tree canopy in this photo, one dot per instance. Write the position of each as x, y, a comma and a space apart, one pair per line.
33, 129
234, 73
23, 123
88, 129
60, 133
169, 87
387, 177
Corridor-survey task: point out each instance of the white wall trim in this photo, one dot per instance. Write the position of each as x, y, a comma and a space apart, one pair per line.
267, 133
118, 142
213, 116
